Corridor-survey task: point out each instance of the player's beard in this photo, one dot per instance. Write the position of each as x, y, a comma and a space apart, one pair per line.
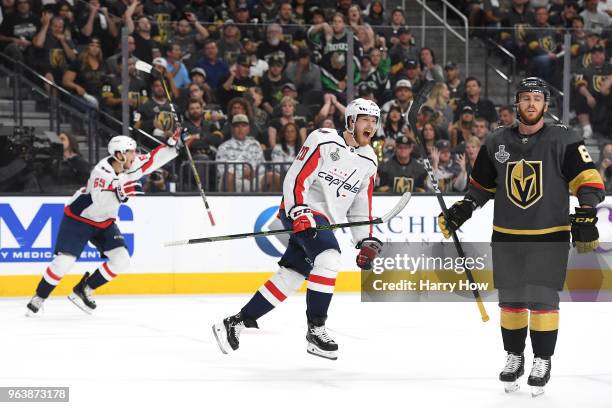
524, 120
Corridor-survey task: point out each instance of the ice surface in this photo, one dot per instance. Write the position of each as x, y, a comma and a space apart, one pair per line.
159, 351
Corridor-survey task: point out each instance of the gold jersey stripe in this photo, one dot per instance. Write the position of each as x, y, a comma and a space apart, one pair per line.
544, 321
514, 320
490, 190
589, 176
531, 231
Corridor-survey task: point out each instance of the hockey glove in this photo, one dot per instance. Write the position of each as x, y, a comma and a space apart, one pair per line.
178, 138
459, 213
369, 249
304, 223
585, 236
128, 188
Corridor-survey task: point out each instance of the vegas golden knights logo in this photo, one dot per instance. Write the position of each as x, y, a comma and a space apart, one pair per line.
524, 182
598, 81
547, 43
403, 184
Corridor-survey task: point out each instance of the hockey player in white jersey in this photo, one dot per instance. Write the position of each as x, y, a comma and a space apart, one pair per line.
90, 216
331, 179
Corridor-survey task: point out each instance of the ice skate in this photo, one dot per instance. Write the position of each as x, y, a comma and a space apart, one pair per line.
227, 332
539, 376
81, 295
34, 306
513, 370
319, 342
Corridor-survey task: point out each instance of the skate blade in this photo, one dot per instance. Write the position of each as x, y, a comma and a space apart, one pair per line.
30, 313
220, 334
79, 303
536, 391
315, 351
511, 387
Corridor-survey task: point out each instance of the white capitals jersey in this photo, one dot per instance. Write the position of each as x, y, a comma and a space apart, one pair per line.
333, 179
97, 203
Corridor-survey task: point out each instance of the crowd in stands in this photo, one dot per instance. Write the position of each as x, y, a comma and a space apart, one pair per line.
252, 78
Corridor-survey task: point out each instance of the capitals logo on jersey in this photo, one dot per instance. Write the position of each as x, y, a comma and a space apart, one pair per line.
524, 182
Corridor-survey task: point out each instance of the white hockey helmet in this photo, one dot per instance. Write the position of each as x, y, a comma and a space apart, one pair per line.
121, 144
358, 107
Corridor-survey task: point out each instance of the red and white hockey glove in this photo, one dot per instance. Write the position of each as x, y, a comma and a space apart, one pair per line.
178, 138
128, 188
369, 249
304, 223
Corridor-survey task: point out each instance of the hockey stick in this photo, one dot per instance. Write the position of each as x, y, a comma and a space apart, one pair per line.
412, 116
148, 68
380, 220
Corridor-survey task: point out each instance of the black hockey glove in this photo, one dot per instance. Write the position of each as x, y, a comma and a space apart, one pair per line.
369, 248
459, 213
585, 236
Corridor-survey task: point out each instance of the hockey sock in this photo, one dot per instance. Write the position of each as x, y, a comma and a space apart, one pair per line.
321, 284
54, 273
283, 283
543, 330
96, 280
45, 287
514, 328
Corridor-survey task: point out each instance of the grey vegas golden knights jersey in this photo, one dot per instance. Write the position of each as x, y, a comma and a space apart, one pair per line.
531, 178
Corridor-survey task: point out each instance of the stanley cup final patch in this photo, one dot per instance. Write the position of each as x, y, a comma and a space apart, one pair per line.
524, 182
502, 155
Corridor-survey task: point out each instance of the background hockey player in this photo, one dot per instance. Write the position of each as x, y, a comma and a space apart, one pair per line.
528, 169
90, 216
332, 178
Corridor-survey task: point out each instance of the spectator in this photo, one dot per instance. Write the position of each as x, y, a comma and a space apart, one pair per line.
146, 47
429, 69
114, 62
255, 98
138, 93
604, 167
162, 12
246, 154
403, 98
375, 14
334, 57
455, 87
462, 128
73, 169
392, 33
258, 66
429, 137
202, 11
272, 84
284, 151
285, 19
595, 20
481, 107
301, 12
229, 43
203, 139
245, 23
57, 51
472, 147
85, 76
240, 106
216, 69
364, 31
71, 29
542, 46
393, 128
402, 172
156, 182
274, 46
579, 42
161, 65
564, 19
403, 51
304, 73
413, 74
154, 116
438, 100
378, 71
187, 38
94, 21
480, 129
212, 112
593, 100
17, 31
302, 112
451, 174
287, 105
332, 110
266, 11
514, 24
507, 117
175, 67
237, 82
